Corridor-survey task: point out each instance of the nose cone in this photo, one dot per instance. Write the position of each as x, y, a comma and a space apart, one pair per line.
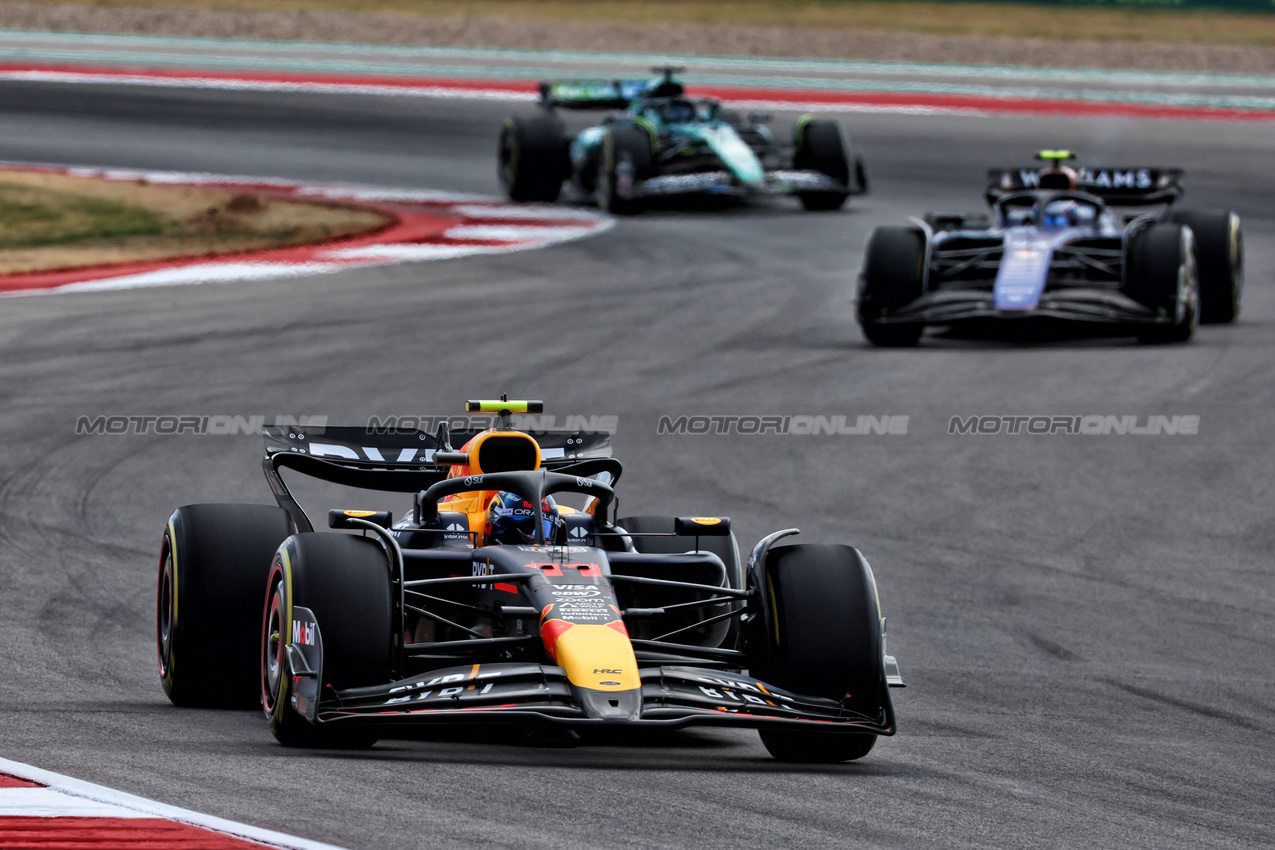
611, 705
738, 157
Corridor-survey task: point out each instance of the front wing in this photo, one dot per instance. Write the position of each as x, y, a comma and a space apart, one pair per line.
777, 182
672, 697
1078, 304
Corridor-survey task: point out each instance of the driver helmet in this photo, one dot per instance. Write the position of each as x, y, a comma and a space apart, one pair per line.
511, 519
1065, 213
679, 111
1058, 177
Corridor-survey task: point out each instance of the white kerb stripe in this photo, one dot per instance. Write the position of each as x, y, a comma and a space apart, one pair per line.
529, 213
143, 808
48, 803
515, 232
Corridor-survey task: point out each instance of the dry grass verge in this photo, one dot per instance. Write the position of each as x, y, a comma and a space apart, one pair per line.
51, 221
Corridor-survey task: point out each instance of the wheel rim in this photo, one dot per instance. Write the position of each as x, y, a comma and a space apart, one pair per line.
1193, 286
272, 652
605, 189
1237, 263
1187, 309
164, 612
508, 161
602, 187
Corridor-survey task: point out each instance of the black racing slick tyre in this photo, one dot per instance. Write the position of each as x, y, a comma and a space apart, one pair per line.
892, 278
625, 162
532, 158
1219, 254
1161, 274
823, 639
344, 581
821, 146
213, 562
724, 633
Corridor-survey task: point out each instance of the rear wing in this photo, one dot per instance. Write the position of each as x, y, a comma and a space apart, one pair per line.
399, 450
1116, 186
607, 94
402, 461
591, 94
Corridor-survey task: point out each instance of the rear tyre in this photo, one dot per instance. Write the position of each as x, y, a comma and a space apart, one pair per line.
823, 639
726, 632
344, 580
212, 565
625, 162
532, 158
821, 146
1161, 274
1219, 253
891, 279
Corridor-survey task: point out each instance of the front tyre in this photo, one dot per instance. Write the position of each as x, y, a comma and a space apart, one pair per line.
213, 562
344, 581
1219, 253
892, 278
823, 638
531, 159
624, 164
1161, 274
821, 146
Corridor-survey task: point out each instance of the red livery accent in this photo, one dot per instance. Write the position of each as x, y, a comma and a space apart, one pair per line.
550, 631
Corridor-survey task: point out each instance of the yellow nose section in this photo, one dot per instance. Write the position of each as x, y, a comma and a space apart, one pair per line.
598, 657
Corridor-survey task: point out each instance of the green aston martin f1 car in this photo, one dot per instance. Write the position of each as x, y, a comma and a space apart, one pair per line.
657, 142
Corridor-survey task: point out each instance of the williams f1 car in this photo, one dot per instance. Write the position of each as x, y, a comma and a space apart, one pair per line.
659, 143
1053, 248
580, 620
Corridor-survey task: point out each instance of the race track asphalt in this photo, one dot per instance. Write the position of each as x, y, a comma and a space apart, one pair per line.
1085, 622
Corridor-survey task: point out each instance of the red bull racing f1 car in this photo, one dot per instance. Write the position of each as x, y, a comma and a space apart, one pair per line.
493, 601
1053, 249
